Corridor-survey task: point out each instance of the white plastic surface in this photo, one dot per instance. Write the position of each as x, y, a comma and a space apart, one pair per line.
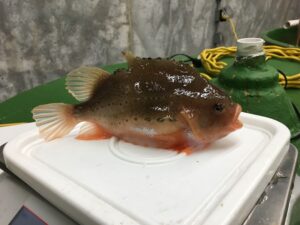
112, 182
10, 132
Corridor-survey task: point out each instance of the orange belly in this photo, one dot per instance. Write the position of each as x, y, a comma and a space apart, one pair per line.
176, 140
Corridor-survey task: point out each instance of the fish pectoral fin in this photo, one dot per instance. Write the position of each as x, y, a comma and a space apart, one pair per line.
92, 131
184, 149
194, 126
81, 82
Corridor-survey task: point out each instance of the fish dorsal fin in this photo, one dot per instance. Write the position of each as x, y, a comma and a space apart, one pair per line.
81, 82
130, 57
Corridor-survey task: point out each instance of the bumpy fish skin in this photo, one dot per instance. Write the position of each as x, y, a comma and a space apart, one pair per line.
155, 102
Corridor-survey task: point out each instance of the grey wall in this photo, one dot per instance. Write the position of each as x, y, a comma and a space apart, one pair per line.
42, 40
162, 28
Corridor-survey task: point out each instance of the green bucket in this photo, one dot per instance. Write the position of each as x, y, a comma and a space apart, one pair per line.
253, 83
282, 37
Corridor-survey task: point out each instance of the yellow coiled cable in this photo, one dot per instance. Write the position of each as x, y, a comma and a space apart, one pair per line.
210, 59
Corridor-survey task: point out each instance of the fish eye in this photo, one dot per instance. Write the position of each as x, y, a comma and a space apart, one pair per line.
219, 107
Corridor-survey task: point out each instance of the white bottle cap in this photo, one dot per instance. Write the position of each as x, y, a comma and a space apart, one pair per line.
250, 47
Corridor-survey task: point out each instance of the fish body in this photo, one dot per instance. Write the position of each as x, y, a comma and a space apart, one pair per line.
155, 102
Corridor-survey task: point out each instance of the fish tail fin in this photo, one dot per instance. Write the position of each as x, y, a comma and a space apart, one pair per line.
54, 120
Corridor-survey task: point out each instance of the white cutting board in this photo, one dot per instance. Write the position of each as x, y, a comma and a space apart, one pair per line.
113, 182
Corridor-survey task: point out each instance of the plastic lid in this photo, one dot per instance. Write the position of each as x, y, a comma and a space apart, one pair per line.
250, 47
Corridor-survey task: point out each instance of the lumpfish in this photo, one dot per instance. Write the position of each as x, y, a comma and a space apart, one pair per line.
155, 102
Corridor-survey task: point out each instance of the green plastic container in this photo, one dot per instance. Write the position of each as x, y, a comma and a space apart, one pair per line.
282, 37
253, 83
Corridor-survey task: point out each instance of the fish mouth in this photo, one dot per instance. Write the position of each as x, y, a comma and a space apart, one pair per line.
236, 123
